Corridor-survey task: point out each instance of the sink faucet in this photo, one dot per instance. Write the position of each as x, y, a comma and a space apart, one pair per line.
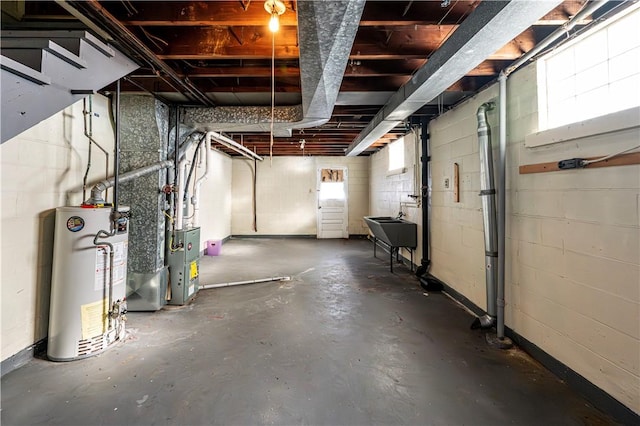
400, 214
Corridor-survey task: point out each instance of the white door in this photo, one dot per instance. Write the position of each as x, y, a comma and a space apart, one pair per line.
333, 215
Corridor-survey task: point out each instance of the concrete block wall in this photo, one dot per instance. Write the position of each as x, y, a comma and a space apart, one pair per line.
42, 168
215, 200
387, 192
573, 239
287, 194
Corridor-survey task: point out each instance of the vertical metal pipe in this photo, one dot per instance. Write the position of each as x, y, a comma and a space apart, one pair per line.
115, 215
425, 174
488, 193
502, 164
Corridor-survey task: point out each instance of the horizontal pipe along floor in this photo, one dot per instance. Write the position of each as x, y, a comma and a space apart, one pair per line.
344, 342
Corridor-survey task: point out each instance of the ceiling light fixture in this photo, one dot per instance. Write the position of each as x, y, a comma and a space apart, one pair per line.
275, 8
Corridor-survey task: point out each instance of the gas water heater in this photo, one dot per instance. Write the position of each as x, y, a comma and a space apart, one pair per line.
88, 285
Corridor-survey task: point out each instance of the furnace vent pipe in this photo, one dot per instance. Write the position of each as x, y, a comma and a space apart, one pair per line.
98, 189
488, 194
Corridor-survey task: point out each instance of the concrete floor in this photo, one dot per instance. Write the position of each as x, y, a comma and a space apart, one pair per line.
343, 343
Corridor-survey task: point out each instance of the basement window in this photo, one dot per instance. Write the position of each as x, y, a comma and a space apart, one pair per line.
332, 184
592, 80
396, 157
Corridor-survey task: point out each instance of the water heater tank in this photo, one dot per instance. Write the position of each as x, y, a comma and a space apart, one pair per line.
87, 309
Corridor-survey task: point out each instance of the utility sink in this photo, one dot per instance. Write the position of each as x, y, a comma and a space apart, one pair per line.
393, 231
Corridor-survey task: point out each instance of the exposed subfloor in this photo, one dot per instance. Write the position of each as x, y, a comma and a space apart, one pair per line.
345, 342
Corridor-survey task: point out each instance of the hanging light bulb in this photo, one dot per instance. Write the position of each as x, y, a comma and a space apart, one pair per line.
275, 8
274, 23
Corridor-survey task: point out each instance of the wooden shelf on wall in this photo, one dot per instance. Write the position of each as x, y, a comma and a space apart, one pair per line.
620, 160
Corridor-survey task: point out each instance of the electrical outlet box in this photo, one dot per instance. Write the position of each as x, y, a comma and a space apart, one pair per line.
446, 183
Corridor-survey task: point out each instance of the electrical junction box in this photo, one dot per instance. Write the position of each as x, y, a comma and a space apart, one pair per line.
183, 259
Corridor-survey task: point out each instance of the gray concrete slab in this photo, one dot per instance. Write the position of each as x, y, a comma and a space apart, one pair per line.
345, 342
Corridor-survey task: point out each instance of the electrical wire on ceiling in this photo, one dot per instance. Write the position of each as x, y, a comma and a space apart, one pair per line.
453, 28
154, 39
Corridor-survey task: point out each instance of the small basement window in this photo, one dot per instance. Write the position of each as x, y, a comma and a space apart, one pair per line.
396, 157
595, 75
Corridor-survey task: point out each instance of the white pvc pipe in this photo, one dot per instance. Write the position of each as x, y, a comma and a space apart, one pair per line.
231, 284
230, 143
181, 189
195, 200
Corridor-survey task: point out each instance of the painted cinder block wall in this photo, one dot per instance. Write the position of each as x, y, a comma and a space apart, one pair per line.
42, 168
573, 249
388, 191
286, 194
215, 200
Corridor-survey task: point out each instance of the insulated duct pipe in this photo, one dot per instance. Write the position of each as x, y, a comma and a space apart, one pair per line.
588, 10
488, 194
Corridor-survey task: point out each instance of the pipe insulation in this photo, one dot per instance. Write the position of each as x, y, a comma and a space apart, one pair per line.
231, 284
488, 194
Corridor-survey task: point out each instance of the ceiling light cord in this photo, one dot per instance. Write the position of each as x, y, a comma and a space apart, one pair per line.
273, 93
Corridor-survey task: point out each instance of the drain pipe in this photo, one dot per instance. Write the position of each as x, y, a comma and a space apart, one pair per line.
488, 194
425, 262
502, 110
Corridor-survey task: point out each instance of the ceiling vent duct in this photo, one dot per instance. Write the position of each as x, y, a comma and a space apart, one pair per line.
489, 27
326, 31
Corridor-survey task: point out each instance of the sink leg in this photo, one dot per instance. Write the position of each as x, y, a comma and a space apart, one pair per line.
375, 244
391, 259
